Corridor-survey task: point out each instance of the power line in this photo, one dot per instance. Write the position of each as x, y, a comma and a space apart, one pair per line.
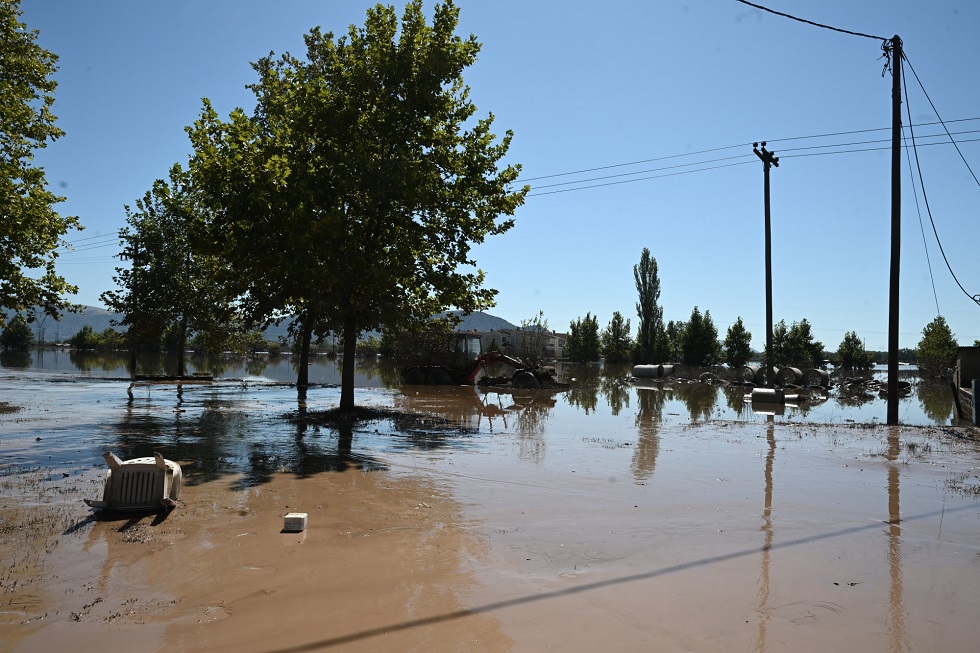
810, 22
740, 145
627, 181
925, 198
938, 116
922, 229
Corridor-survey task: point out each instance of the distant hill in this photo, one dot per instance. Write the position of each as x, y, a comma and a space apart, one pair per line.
480, 321
71, 323
100, 319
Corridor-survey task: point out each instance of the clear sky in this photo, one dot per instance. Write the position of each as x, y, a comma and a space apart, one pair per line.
592, 86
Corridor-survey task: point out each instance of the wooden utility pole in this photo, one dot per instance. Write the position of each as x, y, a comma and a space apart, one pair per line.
768, 160
896, 250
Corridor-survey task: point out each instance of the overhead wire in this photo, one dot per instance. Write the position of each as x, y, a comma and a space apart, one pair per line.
925, 197
951, 139
810, 22
788, 153
922, 228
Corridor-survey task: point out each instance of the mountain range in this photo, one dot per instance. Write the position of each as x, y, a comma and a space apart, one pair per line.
100, 319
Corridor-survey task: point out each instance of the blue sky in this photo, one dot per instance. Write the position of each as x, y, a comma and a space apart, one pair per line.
587, 85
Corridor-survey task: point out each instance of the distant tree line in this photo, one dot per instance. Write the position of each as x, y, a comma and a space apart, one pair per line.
696, 342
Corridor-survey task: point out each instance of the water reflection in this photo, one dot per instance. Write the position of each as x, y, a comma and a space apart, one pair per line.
699, 398
934, 399
15, 359
767, 539
898, 637
649, 417
585, 384
854, 398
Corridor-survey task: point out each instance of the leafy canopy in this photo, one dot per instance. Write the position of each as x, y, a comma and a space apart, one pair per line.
30, 231
937, 349
353, 194
851, 354
616, 341
738, 344
583, 344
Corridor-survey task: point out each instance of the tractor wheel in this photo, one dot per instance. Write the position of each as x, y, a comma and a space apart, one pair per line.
524, 379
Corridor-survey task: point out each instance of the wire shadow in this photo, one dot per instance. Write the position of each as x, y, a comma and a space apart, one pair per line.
524, 600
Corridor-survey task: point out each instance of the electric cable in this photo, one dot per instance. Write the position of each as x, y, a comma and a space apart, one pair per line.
922, 230
810, 22
925, 199
939, 117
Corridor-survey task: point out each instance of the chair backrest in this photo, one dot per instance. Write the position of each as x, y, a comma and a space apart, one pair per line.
137, 485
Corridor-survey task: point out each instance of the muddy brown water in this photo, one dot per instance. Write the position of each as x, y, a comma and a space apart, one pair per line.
480, 521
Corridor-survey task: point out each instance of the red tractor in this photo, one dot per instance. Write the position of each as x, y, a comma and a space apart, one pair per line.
468, 365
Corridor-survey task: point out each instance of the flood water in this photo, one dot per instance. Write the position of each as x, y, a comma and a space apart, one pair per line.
594, 387
610, 517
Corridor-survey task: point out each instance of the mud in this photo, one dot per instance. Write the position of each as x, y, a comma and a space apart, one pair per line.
503, 522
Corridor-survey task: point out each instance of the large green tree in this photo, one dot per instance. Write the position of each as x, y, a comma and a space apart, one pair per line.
30, 229
795, 345
738, 344
649, 336
16, 335
170, 286
353, 194
851, 354
582, 344
699, 340
616, 341
936, 352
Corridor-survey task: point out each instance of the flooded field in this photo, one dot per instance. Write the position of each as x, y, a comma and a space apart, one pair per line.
610, 517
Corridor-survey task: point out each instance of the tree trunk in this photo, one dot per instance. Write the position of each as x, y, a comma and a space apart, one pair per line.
306, 334
347, 375
182, 348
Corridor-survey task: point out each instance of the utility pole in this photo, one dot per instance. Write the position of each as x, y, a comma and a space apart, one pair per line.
896, 249
768, 160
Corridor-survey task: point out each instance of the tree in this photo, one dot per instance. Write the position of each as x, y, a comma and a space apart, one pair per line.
801, 348
616, 341
17, 335
738, 344
699, 340
648, 310
531, 344
352, 196
31, 230
582, 344
794, 345
936, 351
171, 288
672, 339
851, 354
421, 343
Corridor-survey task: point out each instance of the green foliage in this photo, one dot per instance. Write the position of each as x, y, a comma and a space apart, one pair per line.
87, 338
851, 354
369, 347
699, 340
352, 196
616, 341
420, 343
171, 290
672, 339
30, 230
582, 345
17, 335
648, 310
738, 344
795, 345
937, 349
532, 341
